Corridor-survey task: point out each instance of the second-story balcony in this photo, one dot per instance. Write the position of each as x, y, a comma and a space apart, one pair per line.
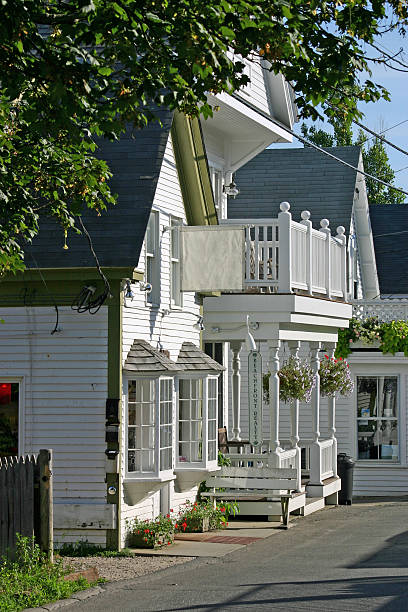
266, 256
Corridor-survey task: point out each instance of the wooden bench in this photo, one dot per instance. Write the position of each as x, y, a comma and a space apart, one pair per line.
255, 484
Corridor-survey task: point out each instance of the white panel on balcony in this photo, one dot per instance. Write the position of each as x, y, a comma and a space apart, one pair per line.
213, 258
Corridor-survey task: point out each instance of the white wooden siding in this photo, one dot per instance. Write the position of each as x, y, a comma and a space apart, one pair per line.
163, 327
256, 92
64, 392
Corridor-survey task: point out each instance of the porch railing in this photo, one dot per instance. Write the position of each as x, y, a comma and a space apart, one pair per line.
385, 310
282, 255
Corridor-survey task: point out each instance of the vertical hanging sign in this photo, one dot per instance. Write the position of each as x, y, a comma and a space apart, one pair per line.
255, 397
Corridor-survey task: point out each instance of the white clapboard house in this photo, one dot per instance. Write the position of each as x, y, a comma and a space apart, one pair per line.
371, 424
123, 389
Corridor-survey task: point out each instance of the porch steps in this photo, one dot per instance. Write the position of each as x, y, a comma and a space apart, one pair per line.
313, 504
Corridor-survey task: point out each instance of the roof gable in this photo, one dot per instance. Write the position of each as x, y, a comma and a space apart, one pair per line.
304, 177
389, 223
117, 234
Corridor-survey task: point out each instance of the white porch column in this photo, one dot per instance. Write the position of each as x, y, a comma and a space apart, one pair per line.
236, 390
315, 457
330, 348
294, 347
273, 348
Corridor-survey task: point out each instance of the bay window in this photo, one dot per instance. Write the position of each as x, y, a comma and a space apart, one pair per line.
150, 427
197, 422
377, 418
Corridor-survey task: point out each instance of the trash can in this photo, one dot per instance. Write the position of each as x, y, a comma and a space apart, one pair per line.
345, 467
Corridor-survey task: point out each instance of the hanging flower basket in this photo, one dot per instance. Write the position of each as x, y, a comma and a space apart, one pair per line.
335, 377
296, 381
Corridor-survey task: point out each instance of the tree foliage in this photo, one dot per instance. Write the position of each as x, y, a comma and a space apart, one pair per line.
375, 158
72, 72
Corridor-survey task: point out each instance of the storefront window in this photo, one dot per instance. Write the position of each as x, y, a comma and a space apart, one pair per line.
9, 399
377, 418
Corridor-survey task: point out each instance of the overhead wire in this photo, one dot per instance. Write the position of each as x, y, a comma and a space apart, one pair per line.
85, 302
341, 161
56, 326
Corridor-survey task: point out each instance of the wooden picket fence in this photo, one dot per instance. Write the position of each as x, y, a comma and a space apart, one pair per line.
26, 501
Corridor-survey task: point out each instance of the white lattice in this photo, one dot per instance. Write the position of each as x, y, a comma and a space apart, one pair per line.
385, 310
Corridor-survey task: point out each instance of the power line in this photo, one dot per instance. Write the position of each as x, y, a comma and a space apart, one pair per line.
383, 132
341, 161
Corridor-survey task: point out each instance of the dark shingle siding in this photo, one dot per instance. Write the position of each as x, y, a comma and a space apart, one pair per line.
143, 358
118, 233
305, 178
191, 358
391, 250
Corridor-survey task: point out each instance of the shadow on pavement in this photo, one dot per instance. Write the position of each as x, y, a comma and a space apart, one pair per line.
393, 554
318, 595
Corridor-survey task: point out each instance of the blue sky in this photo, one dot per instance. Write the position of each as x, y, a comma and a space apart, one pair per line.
390, 113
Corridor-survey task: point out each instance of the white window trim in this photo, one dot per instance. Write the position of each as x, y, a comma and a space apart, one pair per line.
400, 421
153, 299
205, 464
21, 380
157, 474
174, 228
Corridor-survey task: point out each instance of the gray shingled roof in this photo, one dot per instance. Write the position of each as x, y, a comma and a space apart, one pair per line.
389, 224
191, 358
143, 358
304, 177
118, 233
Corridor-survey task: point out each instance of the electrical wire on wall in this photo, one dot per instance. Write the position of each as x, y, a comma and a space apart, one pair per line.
56, 326
86, 301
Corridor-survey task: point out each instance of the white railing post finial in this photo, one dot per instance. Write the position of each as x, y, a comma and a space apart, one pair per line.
325, 229
285, 249
305, 214
343, 240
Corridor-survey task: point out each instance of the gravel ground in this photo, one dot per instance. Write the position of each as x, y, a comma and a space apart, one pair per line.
122, 568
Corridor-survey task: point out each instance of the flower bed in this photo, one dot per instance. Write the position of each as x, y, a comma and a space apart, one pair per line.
151, 534
203, 516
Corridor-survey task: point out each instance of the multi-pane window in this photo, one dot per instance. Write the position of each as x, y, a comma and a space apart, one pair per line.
141, 426
377, 418
152, 266
191, 420
215, 351
212, 394
176, 295
166, 424
197, 422
150, 426
9, 397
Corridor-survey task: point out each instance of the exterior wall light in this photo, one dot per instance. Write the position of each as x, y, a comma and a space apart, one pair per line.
231, 189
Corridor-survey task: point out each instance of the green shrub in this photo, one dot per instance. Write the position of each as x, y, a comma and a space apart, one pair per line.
31, 580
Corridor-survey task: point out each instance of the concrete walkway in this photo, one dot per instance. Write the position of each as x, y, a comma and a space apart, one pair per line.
347, 558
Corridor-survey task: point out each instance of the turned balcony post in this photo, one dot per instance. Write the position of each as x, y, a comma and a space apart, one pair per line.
315, 456
273, 347
325, 229
285, 249
330, 348
236, 390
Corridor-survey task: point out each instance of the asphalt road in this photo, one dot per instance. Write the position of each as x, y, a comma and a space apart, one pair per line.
346, 558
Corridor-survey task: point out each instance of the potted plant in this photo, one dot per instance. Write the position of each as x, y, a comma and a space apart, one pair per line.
296, 381
194, 517
335, 377
151, 534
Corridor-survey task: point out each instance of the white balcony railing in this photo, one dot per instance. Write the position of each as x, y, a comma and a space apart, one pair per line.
384, 310
282, 255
